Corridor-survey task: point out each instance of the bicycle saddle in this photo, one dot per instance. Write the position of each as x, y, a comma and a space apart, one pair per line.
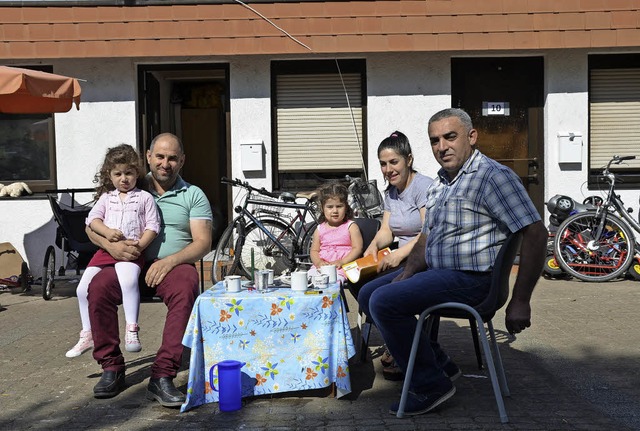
287, 197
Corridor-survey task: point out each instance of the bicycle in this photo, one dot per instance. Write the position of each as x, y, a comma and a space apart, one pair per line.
599, 245
262, 236
364, 198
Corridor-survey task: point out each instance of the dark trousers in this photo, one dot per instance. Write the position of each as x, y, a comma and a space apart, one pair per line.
393, 307
178, 291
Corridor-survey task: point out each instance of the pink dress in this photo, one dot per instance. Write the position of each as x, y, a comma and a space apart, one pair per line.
335, 243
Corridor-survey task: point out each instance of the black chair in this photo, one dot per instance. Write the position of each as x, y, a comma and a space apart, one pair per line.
482, 314
368, 228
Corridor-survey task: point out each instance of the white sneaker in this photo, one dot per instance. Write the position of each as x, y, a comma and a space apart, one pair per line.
84, 343
131, 340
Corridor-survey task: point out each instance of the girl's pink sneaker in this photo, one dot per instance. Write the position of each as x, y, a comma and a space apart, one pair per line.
84, 343
131, 340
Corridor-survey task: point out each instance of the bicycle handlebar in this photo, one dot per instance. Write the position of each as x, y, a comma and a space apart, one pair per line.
617, 160
245, 185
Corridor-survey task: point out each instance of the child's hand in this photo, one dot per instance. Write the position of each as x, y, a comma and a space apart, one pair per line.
322, 262
114, 235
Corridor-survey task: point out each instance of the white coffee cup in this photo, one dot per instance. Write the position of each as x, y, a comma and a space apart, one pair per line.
331, 271
320, 281
299, 280
232, 283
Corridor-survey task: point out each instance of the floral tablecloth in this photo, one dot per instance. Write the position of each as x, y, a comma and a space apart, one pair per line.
290, 341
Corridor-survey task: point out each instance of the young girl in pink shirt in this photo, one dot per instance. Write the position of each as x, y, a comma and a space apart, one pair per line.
337, 240
123, 212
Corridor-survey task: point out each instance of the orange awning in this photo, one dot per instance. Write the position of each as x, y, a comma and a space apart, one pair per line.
26, 91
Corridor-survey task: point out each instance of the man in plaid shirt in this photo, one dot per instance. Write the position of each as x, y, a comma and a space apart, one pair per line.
473, 205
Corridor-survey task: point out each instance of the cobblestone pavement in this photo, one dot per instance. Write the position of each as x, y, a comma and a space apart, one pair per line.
576, 368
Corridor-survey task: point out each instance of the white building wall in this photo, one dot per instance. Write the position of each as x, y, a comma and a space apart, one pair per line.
566, 110
403, 91
250, 94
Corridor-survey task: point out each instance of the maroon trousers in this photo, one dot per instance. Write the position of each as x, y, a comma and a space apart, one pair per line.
178, 291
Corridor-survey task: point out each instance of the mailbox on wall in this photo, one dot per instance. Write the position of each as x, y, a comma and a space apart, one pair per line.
251, 156
570, 147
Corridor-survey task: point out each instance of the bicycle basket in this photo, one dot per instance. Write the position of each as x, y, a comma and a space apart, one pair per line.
265, 206
367, 198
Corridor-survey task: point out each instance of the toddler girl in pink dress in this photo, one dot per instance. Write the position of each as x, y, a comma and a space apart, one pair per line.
337, 240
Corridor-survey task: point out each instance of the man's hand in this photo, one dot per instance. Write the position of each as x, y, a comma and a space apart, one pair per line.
158, 271
126, 250
518, 316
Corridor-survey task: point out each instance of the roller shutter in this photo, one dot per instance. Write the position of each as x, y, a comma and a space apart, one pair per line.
315, 124
614, 116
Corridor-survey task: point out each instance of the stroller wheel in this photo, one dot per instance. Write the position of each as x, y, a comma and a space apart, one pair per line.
48, 272
25, 283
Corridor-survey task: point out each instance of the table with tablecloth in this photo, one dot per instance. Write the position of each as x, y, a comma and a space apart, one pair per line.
290, 341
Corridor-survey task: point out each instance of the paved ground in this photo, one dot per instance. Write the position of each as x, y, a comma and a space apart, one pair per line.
577, 368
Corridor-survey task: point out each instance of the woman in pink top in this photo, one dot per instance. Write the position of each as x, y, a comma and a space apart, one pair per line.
123, 212
337, 240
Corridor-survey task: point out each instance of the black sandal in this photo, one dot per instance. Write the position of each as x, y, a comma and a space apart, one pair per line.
393, 373
386, 359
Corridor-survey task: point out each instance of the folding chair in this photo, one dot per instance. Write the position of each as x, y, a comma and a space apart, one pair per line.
482, 314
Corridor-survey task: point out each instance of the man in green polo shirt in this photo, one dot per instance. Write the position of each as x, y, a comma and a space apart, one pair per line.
184, 238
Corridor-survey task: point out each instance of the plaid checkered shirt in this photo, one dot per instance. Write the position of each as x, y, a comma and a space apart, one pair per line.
468, 218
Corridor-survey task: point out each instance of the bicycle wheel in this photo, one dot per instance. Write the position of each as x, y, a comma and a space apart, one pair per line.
225, 260
48, 272
307, 238
587, 258
266, 255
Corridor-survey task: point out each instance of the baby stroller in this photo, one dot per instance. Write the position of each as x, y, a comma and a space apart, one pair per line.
71, 238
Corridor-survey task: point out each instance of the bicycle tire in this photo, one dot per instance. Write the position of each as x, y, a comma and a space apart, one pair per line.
266, 255
610, 260
48, 272
225, 260
310, 228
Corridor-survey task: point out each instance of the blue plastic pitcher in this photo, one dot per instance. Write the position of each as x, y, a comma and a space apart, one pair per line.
229, 384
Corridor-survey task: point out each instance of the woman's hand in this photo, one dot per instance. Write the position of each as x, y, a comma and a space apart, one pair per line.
392, 260
373, 250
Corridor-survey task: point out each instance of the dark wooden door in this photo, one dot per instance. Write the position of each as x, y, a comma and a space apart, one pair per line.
505, 98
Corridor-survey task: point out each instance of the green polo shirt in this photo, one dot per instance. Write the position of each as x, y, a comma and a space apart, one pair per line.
177, 207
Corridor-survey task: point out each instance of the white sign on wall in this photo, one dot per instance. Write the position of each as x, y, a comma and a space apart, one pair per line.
500, 109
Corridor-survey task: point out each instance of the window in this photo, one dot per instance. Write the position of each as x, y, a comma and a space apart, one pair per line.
614, 116
27, 148
318, 121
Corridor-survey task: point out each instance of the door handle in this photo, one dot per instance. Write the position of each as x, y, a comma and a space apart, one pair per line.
533, 178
